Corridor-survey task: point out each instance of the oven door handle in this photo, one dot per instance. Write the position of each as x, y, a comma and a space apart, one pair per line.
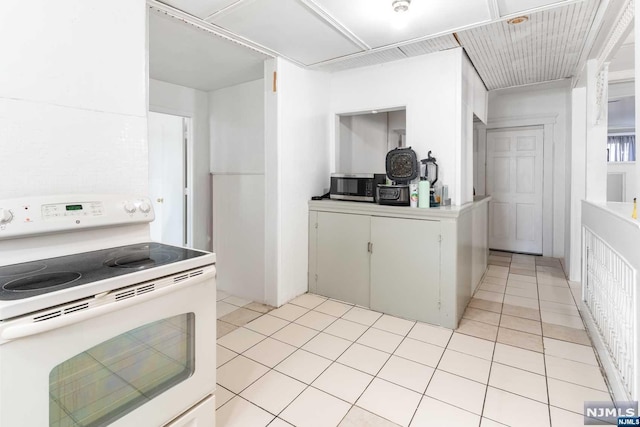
28, 329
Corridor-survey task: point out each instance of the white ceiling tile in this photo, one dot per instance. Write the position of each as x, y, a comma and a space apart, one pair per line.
375, 22
200, 8
182, 54
510, 7
546, 47
373, 58
288, 27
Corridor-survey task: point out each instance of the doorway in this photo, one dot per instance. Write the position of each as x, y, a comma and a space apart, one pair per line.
515, 182
168, 177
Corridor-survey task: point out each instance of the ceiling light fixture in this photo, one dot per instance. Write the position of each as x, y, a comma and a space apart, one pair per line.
401, 5
518, 20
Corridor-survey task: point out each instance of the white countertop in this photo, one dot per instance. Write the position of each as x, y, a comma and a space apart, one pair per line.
442, 212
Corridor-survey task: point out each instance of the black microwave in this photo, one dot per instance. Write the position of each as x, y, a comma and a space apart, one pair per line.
359, 187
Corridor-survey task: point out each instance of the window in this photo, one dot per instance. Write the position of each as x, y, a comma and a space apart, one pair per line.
621, 148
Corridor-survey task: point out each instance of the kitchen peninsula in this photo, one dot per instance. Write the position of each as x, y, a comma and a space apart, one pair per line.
420, 264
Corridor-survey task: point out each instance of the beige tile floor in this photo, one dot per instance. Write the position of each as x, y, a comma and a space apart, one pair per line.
520, 357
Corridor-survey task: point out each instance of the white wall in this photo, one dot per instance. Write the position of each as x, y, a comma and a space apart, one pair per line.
542, 100
566, 260
301, 132
397, 120
187, 102
302, 167
237, 122
631, 181
237, 128
596, 147
473, 102
73, 97
621, 114
428, 86
363, 144
365, 139
271, 181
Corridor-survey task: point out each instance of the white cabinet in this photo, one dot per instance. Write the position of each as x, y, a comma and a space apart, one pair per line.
420, 264
390, 265
405, 268
343, 257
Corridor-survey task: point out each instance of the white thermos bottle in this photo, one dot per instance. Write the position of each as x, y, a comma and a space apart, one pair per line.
423, 193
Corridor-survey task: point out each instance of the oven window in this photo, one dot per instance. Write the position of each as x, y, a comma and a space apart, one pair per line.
104, 383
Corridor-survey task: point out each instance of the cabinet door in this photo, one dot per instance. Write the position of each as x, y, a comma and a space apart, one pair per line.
343, 257
405, 268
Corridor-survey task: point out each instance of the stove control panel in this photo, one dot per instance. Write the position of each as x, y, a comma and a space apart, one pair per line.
57, 214
83, 209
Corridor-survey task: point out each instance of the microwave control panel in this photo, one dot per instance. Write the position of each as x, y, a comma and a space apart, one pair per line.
369, 188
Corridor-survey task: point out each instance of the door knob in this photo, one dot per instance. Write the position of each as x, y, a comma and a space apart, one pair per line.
160, 200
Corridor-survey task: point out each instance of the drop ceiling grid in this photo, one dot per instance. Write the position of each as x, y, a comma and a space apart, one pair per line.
544, 48
429, 46
378, 57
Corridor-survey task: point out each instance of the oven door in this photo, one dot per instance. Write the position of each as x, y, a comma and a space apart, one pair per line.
140, 360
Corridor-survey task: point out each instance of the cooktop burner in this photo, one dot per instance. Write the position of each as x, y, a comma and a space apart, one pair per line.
41, 281
29, 279
143, 256
18, 269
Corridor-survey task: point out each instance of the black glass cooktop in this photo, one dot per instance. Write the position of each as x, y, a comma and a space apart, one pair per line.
39, 277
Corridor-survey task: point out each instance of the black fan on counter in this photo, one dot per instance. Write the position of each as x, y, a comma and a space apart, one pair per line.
402, 168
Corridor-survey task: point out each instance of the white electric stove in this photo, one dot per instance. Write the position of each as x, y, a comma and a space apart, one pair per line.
99, 326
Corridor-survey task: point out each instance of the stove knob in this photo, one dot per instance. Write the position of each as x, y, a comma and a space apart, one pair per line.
145, 207
129, 207
6, 216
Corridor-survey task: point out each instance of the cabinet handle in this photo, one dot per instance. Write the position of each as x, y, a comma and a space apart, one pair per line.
369, 247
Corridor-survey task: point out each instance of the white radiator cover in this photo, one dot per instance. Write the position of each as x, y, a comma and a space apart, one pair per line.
611, 292
610, 295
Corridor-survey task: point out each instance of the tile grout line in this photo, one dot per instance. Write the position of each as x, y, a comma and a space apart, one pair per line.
331, 364
300, 348
424, 394
404, 337
307, 386
495, 344
544, 358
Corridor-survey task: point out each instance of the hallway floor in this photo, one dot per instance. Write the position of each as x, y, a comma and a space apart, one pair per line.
520, 357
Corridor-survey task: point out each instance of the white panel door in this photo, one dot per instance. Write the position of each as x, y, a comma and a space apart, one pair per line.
167, 177
514, 180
